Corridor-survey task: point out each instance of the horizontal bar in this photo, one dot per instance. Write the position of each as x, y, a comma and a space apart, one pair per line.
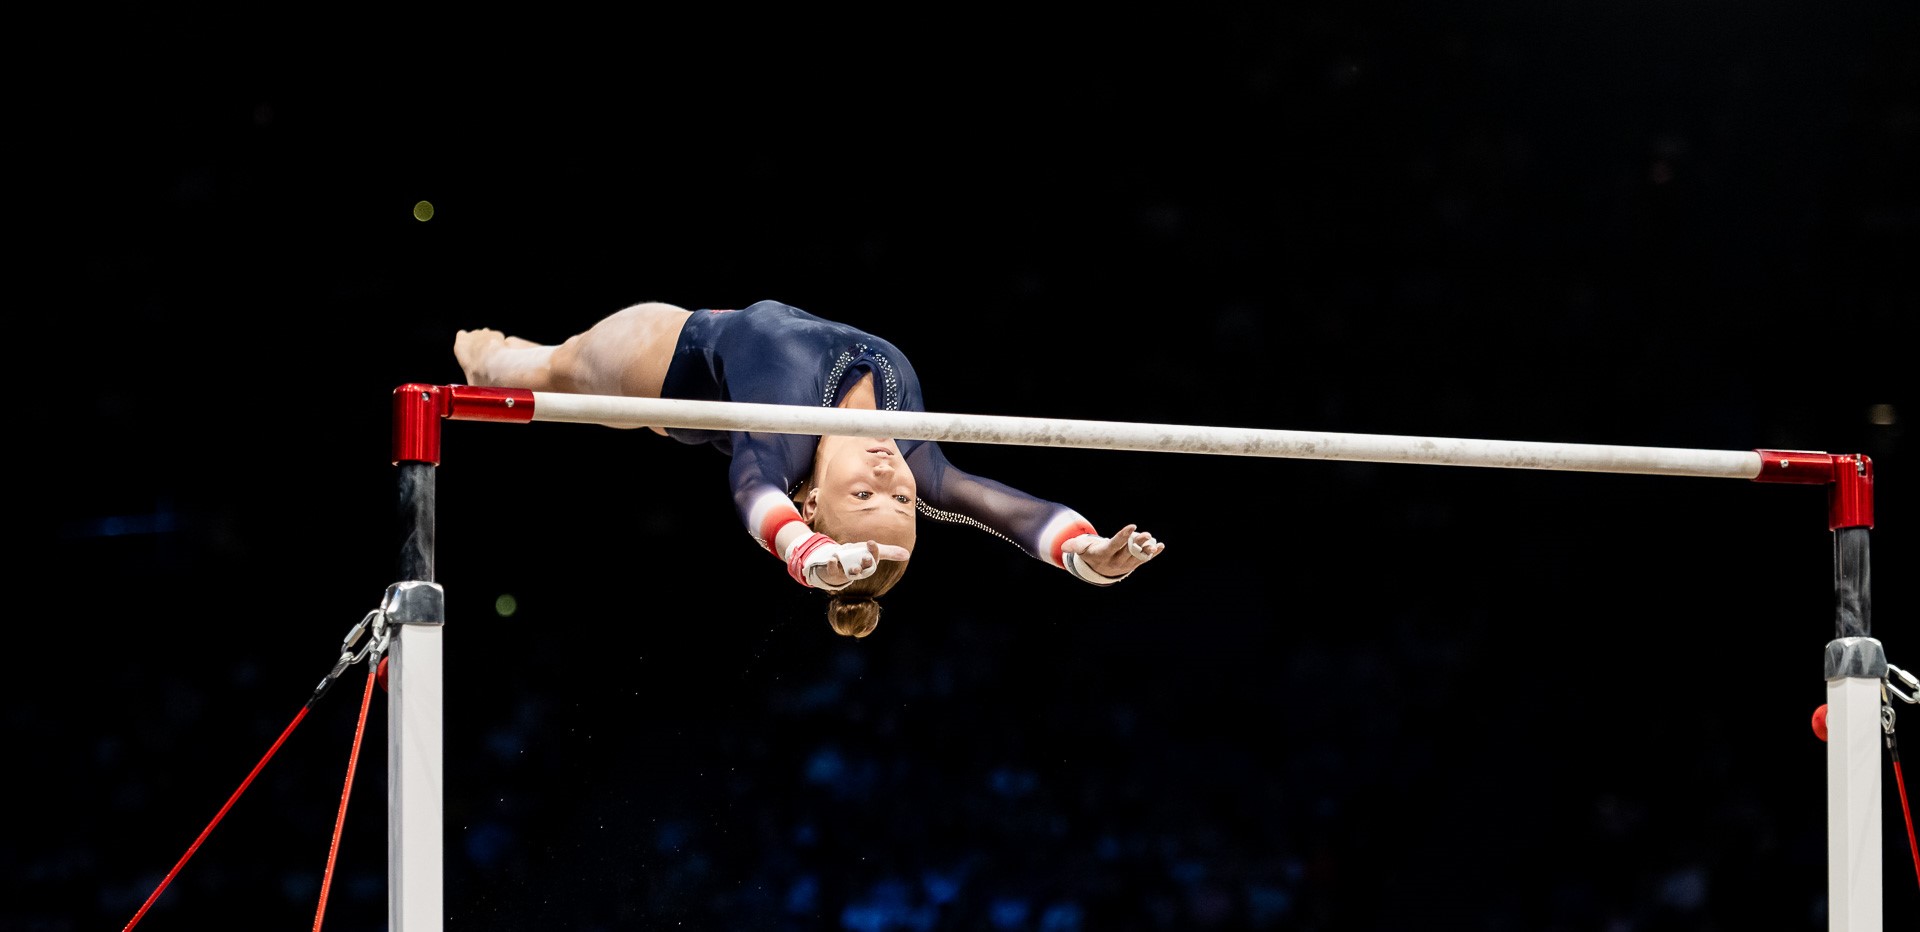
620, 411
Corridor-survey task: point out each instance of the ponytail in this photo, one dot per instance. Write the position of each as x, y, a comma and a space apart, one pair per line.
853, 615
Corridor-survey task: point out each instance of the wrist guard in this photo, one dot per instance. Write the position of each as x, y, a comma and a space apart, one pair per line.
809, 557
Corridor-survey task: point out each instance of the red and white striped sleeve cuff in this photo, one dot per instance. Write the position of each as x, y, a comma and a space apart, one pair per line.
771, 512
1064, 527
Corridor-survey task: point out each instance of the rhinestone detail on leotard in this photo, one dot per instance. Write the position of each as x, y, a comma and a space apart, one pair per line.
889, 382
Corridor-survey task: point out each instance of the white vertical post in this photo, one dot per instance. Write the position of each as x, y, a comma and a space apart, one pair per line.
1855, 667
415, 883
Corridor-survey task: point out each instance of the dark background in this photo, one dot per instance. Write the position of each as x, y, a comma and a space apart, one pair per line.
1349, 696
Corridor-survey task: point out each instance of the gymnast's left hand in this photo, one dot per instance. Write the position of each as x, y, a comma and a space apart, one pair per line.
1117, 555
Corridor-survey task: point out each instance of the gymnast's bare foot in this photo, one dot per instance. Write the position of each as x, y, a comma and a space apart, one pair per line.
473, 347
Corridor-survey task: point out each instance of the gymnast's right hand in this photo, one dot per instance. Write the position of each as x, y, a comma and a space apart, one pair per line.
858, 561
823, 564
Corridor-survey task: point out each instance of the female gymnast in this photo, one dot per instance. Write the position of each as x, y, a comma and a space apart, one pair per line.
839, 510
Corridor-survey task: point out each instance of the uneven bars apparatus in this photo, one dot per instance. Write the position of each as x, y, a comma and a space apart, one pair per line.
1855, 662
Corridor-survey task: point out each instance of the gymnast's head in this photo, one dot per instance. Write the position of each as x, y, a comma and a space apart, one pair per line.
861, 489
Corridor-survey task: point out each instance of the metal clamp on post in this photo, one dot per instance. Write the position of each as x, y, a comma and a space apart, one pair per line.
415, 602
1856, 658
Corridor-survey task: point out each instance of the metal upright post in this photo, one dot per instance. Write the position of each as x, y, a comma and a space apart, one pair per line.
416, 609
1856, 666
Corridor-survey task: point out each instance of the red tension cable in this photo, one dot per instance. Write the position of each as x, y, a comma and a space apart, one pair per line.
340, 818
217, 817
1913, 847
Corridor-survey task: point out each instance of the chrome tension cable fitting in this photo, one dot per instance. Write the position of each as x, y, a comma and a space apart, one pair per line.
374, 630
1912, 696
1889, 692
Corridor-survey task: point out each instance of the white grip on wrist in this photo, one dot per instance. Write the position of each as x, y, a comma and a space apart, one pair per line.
818, 552
851, 557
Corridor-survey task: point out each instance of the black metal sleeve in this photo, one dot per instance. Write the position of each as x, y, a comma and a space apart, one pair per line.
416, 513
1852, 584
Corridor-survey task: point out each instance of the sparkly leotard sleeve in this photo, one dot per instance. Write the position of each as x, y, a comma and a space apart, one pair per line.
771, 353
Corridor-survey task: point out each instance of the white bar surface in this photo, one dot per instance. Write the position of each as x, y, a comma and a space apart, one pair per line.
620, 411
415, 886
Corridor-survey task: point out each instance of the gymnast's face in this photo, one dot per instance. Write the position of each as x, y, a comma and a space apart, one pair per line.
862, 490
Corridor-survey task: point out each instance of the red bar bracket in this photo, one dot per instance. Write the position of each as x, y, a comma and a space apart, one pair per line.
1806, 467
1850, 501
1847, 476
417, 410
473, 403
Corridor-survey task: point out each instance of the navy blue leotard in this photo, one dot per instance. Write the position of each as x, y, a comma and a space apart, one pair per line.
771, 353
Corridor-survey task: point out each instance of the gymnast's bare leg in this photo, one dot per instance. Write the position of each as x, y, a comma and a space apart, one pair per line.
626, 353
